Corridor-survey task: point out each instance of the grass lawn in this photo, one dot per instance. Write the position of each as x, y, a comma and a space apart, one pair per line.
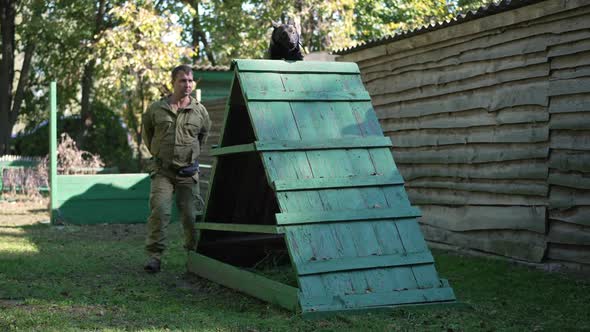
91, 278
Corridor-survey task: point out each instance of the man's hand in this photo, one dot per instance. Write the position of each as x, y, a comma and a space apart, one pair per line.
189, 170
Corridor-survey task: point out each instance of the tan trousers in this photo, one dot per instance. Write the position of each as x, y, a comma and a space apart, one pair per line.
188, 202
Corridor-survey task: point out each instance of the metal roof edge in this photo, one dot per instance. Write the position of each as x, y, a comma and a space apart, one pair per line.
481, 12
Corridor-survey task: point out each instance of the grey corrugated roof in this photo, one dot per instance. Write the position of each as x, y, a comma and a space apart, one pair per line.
484, 11
210, 68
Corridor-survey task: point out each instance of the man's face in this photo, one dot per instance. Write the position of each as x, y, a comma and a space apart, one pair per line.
183, 84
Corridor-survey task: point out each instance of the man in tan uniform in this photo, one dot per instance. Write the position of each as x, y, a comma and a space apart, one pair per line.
174, 130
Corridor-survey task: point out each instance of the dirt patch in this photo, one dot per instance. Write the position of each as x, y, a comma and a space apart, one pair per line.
23, 212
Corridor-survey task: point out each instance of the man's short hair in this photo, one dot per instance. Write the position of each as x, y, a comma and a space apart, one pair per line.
182, 68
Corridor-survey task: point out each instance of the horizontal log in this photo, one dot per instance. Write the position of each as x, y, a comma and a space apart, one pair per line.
470, 118
562, 197
570, 103
470, 153
570, 140
569, 60
532, 169
512, 187
477, 218
388, 93
525, 245
569, 86
529, 92
569, 253
570, 73
527, 133
446, 71
576, 121
567, 233
503, 43
569, 179
579, 215
570, 160
579, 47
435, 196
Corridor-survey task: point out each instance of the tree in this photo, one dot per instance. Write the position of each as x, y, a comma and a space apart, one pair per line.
139, 53
11, 99
86, 117
227, 29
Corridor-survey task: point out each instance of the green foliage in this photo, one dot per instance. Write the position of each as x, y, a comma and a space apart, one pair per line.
107, 138
143, 40
241, 28
138, 53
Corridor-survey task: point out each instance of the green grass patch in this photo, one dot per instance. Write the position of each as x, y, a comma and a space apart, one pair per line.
74, 278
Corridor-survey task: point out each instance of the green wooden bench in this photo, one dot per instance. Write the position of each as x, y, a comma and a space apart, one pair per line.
303, 166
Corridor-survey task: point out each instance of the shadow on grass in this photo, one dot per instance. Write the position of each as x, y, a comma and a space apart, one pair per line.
91, 278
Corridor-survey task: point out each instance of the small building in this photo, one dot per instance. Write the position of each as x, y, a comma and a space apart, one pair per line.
213, 81
489, 115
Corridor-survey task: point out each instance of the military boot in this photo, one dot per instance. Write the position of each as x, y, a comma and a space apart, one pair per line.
152, 265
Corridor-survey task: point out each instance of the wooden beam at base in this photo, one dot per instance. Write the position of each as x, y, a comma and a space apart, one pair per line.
246, 228
431, 306
244, 281
296, 218
357, 301
367, 262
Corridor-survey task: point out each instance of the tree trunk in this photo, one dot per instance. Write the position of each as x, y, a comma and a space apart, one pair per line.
199, 35
7, 28
86, 116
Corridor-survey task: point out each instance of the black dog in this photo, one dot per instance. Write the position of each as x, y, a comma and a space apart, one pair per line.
284, 43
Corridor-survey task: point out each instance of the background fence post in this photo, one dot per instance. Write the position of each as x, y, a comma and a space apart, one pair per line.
53, 153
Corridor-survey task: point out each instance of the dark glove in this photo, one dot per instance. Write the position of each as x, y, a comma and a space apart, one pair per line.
189, 170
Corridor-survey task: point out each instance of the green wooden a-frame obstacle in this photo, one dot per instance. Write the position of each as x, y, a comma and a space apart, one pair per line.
303, 165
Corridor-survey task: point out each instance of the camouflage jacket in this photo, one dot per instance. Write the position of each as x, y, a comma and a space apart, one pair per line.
174, 138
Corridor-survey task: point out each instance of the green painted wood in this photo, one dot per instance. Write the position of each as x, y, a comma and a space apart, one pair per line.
440, 294
100, 187
328, 164
325, 83
244, 281
294, 218
307, 96
326, 144
389, 309
103, 211
232, 149
366, 262
323, 122
330, 183
246, 228
296, 66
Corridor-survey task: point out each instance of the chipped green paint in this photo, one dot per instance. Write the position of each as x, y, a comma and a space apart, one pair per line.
302, 154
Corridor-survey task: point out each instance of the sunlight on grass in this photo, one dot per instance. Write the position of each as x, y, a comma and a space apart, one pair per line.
14, 241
